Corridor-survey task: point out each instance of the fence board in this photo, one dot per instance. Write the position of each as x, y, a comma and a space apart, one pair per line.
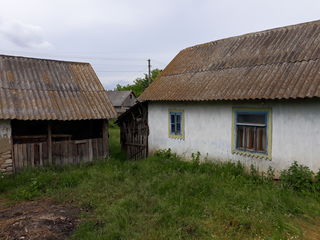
63, 152
134, 132
40, 155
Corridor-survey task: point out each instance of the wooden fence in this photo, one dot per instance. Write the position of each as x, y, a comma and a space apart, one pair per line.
63, 152
134, 132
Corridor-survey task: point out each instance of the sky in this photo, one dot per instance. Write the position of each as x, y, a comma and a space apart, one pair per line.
118, 36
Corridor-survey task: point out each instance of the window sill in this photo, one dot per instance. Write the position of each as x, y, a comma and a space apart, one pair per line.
176, 137
251, 154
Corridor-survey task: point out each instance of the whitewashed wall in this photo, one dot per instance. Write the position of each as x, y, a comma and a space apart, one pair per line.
6, 165
208, 127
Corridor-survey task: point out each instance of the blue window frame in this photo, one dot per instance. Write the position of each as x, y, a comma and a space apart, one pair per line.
252, 131
176, 124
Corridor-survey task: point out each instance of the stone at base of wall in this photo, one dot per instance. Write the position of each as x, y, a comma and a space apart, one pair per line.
6, 164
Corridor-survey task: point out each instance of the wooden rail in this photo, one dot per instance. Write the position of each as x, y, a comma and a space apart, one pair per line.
63, 152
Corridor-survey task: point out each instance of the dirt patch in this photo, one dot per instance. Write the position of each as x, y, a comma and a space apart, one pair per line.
42, 219
310, 227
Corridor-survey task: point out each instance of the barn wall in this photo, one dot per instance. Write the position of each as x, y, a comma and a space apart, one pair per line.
208, 129
129, 102
5, 147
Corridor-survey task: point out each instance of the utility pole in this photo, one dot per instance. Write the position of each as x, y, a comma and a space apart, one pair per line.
149, 70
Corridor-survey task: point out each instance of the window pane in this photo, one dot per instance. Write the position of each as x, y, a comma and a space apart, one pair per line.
251, 132
249, 138
261, 140
178, 118
176, 123
172, 129
240, 136
172, 117
258, 118
178, 129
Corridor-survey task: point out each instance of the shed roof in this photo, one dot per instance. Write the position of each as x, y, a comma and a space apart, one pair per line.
42, 89
281, 63
118, 97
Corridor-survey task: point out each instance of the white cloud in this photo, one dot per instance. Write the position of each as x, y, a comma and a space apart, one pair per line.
23, 35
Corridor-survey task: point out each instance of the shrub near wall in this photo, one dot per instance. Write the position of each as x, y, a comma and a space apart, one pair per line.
298, 177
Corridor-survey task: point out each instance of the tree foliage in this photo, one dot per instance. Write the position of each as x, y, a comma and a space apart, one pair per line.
140, 84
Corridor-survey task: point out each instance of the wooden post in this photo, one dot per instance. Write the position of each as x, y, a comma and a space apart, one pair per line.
13, 156
90, 150
105, 142
32, 154
49, 143
40, 154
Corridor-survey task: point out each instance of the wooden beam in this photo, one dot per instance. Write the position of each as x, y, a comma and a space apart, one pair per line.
32, 154
105, 138
40, 154
49, 143
90, 150
68, 136
13, 156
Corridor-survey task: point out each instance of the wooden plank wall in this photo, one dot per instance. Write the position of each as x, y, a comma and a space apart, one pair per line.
134, 132
63, 152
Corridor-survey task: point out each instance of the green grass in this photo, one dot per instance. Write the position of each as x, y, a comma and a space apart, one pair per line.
166, 198
115, 148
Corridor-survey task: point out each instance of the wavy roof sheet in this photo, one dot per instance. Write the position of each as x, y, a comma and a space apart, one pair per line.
118, 97
41, 89
281, 63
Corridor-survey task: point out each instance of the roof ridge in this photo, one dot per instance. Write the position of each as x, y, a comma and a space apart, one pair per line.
42, 59
266, 31
245, 66
52, 90
119, 90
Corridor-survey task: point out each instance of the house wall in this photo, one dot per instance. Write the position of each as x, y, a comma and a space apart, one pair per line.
6, 165
208, 129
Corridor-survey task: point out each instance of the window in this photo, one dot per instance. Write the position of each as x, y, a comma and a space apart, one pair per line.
176, 122
251, 130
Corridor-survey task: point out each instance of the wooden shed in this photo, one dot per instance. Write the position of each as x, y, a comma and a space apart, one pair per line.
51, 112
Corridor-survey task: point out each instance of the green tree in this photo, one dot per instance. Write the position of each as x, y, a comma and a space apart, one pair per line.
140, 84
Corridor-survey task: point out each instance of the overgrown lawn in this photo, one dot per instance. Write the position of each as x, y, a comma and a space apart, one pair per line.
166, 198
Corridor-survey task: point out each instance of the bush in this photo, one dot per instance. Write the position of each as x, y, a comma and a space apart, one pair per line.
317, 181
113, 124
166, 154
196, 157
298, 177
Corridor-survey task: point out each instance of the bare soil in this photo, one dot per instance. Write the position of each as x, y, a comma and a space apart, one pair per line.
42, 219
310, 227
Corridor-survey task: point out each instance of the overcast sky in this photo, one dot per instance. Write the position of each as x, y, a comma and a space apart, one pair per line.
118, 36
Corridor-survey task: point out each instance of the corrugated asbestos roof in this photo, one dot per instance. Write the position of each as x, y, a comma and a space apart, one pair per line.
281, 63
118, 97
41, 89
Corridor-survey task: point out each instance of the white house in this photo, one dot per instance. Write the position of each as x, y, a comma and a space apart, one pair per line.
253, 98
